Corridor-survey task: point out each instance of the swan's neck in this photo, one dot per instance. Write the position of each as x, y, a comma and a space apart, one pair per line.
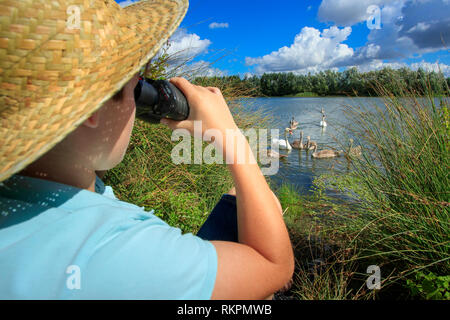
287, 141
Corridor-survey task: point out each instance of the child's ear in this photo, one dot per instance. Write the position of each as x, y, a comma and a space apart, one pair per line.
93, 120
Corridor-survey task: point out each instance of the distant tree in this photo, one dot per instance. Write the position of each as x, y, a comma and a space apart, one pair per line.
348, 82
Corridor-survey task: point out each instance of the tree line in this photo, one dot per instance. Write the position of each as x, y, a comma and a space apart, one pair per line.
330, 83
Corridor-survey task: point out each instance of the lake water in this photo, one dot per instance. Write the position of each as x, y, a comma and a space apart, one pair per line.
299, 168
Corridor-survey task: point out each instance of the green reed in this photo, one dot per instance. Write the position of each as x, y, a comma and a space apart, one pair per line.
404, 168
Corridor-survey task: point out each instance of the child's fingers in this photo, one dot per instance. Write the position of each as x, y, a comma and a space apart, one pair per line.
172, 124
184, 85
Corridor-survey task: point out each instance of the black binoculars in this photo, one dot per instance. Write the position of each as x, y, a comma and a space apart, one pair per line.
157, 99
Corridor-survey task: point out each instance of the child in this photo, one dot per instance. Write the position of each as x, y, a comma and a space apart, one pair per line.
62, 236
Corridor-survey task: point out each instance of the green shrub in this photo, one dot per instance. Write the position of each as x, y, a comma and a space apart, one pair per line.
430, 286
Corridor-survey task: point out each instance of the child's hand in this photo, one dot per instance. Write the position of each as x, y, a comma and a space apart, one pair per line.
206, 105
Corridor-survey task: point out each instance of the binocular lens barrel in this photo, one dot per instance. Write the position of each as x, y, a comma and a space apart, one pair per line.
156, 99
145, 93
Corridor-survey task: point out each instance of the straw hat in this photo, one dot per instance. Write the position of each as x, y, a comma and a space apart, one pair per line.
56, 70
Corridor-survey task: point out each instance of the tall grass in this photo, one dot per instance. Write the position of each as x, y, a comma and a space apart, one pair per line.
400, 221
405, 223
324, 259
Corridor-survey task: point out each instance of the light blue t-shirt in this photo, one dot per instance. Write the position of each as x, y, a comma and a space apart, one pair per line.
61, 242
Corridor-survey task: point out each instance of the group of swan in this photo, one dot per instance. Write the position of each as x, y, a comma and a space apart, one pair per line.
312, 146
283, 144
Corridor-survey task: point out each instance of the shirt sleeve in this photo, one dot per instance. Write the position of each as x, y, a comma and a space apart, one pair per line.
149, 260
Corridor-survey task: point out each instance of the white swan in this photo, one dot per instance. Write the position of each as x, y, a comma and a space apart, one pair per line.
323, 122
282, 144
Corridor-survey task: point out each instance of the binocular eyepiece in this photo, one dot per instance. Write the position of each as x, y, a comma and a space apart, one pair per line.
157, 99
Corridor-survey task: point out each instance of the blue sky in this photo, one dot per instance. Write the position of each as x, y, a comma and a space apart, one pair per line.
254, 37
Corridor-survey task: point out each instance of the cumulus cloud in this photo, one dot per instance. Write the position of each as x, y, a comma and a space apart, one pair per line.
348, 12
436, 67
412, 27
314, 51
205, 69
311, 51
427, 66
217, 25
184, 46
196, 69
407, 27
426, 23
378, 65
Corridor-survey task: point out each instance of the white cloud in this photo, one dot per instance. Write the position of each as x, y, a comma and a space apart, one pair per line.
407, 27
436, 67
426, 23
378, 65
349, 12
184, 46
421, 26
196, 69
427, 66
217, 25
314, 51
311, 51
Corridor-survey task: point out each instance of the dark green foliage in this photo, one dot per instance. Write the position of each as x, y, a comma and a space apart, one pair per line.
430, 286
326, 83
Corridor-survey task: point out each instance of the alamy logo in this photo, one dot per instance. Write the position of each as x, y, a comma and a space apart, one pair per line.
374, 281
374, 20
73, 19
73, 281
257, 139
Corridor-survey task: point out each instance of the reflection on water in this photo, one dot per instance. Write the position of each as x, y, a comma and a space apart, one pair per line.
299, 168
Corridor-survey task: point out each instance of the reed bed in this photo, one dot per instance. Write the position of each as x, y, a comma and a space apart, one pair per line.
404, 223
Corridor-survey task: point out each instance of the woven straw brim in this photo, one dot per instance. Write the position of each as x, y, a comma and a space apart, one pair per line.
53, 78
